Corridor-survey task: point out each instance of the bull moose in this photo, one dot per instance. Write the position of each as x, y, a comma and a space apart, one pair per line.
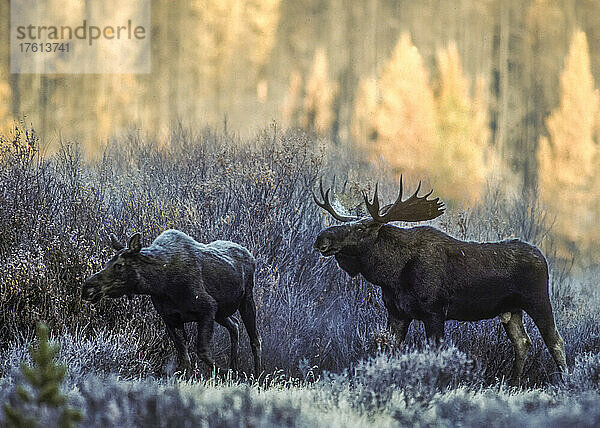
187, 282
427, 275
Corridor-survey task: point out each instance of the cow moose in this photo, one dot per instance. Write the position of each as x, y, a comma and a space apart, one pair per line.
187, 282
427, 275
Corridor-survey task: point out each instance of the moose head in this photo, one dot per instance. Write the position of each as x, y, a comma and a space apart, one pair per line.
357, 234
120, 275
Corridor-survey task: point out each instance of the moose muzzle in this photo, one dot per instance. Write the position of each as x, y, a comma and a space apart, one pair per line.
91, 291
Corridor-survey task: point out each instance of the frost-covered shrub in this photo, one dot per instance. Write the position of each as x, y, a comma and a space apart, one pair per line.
493, 407
417, 374
104, 353
585, 374
110, 402
367, 397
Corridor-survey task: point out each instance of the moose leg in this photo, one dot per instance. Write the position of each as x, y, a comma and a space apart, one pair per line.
248, 313
205, 332
231, 324
398, 323
434, 328
544, 320
515, 330
178, 336
399, 327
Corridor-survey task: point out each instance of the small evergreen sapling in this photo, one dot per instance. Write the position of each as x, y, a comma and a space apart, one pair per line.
44, 378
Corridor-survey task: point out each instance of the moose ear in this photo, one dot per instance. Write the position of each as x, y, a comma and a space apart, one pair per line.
135, 244
114, 242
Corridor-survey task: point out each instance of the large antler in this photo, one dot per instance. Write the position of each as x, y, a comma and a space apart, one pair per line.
326, 205
415, 208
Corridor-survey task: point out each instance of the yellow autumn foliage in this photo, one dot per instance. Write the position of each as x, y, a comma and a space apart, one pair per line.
290, 105
463, 133
441, 136
262, 18
320, 94
405, 122
5, 113
365, 109
569, 158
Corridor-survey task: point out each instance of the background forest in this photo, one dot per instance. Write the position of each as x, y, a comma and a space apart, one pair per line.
459, 93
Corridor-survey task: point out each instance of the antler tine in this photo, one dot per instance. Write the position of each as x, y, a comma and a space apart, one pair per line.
398, 199
323, 195
400, 192
414, 195
376, 196
372, 207
320, 190
326, 204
